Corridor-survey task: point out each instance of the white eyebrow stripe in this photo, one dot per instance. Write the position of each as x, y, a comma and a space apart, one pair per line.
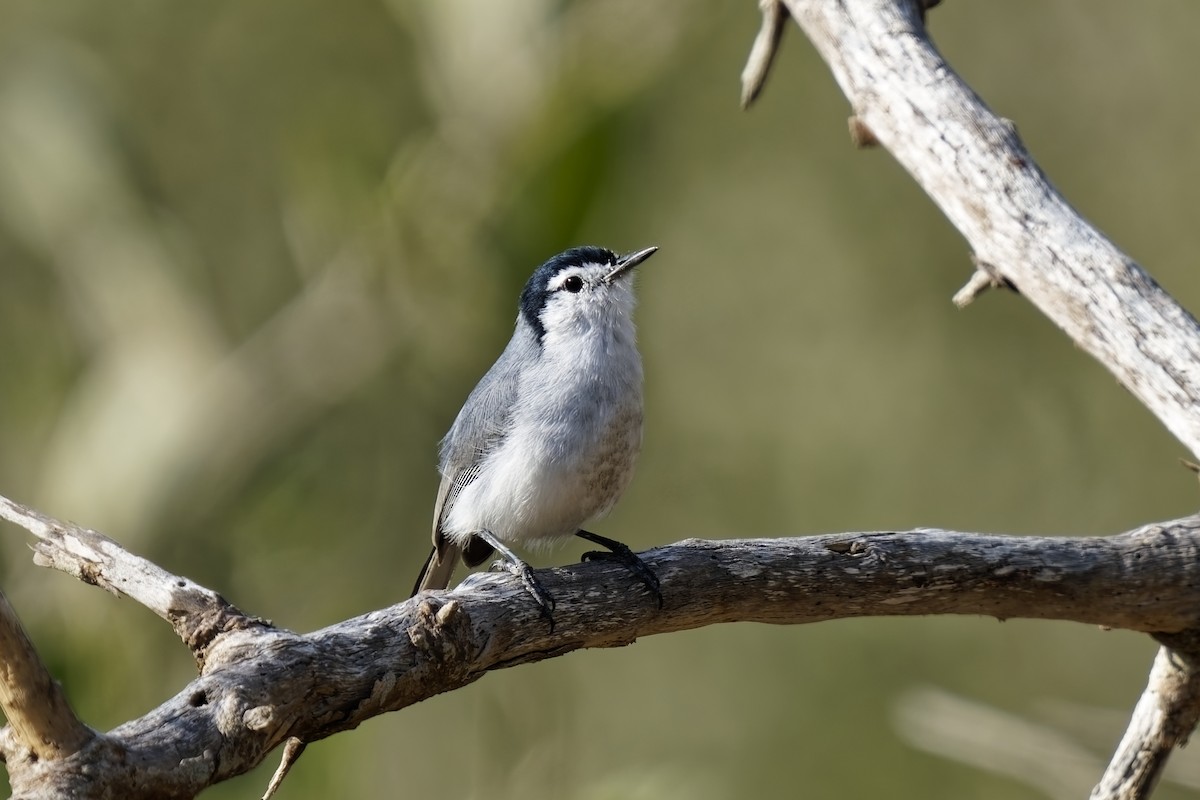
557, 281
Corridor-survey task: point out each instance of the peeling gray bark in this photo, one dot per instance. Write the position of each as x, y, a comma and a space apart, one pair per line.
972, 164
1025, 235
261, 685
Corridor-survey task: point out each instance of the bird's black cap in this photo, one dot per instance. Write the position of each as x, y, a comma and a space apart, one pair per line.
533, 296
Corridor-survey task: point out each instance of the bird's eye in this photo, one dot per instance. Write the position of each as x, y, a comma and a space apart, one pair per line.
573, 284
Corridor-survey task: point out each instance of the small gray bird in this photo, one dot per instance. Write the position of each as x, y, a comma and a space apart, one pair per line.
548, 438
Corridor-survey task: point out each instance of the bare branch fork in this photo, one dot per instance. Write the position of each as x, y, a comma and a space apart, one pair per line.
1025, 236
260, 686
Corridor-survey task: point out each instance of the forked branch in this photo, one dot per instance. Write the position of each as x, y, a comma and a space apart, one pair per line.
1025, 235
41, 724
197, 614
261, 686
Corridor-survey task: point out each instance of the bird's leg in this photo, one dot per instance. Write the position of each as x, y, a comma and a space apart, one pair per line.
511, 563
625, 557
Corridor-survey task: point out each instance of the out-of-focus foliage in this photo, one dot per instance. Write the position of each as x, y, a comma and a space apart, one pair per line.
254, 254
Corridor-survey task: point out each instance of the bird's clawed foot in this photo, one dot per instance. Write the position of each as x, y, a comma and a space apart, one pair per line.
616, 551
532, 585
509, 562
621, 554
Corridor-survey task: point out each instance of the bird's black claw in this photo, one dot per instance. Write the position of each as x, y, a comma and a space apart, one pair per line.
515, 566
532, 585
621, 554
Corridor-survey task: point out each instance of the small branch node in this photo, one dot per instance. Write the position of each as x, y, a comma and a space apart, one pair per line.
762, 52
985, 277
441, 628
861, 136
979, 283
292, 750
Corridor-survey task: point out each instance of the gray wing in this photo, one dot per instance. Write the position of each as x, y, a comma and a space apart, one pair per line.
443, 558
482, 424
480, 428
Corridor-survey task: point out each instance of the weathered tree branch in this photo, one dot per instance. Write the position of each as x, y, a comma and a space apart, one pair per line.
1024, 235
972, 164
1163, 719
42, 722
293, 748
197, 614
261, 685
763, 51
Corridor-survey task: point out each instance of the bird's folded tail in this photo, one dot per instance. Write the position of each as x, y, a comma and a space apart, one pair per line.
438, 569
443, 558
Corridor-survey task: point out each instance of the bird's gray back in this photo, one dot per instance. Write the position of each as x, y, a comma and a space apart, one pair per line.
480, 428
483, 422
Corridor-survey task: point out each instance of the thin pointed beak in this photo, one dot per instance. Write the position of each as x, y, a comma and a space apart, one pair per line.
626, 263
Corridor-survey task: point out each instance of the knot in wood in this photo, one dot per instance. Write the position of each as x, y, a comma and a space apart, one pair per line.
203, 628
442, 629
259, 717
849, 547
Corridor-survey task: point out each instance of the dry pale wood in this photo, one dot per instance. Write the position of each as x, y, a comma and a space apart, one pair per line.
977, 284
42, 722
197, 614
1164, 717
762, 52
293, 748
262, 686
973, 165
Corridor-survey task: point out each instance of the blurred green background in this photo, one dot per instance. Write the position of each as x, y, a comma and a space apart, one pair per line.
253, 255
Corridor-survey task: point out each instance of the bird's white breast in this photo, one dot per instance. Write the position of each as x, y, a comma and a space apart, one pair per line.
575, 434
